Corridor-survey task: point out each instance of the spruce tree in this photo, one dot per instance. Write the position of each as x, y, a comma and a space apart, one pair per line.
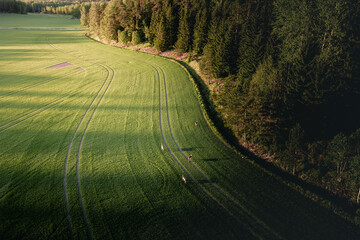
172, 22
94, 17
110, 23
160, 41
200, 31
151, 31
124, 37
183, 42
136, 37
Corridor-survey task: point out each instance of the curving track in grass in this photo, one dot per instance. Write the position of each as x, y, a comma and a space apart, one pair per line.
106, 83
111, 73
240, 213
106, 166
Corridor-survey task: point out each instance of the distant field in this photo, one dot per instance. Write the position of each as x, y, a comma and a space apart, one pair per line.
37, 20
80, 153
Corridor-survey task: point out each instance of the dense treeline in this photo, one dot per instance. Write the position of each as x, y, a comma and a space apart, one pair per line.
12, 6
66, 8
288, 71
49, 7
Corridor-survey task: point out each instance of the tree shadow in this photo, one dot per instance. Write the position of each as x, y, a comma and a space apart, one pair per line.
187, 149
211, 159
231, 139
208, 181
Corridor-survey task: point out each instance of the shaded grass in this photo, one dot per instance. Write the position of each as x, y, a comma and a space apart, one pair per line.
130, 188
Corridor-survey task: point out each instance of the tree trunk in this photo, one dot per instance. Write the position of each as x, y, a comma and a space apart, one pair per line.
245, 126
358, 197
294, 170
323, 45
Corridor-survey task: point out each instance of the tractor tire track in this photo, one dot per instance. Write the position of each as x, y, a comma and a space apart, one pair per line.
133, 171
227, 196
79, 151
244, 211
186, 171
68, 154
109, 80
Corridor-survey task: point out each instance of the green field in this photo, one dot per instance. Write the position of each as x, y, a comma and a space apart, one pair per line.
80, 154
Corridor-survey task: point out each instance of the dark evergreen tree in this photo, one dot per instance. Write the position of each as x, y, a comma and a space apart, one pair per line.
110, 22
294, 148
95, 17
172, 22
84, 19
214, 51
200, 30
124, 37
150, 32
183, 42
161, 38
338, 153
136, 37
355, 176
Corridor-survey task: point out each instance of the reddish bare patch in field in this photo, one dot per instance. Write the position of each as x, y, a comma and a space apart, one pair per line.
79, 69
61, 65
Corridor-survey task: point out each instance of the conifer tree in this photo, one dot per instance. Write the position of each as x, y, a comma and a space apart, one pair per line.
355, 176
161, 41
183, 42
136, 37
124, 37
172, 22
200, 31
151, 31
94, 17
110, 23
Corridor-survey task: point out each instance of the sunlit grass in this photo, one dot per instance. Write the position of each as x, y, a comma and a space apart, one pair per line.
37, 20
131, 189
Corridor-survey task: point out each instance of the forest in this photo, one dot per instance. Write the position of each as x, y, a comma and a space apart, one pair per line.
287, 73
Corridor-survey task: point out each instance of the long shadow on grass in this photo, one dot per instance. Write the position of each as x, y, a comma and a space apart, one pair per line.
230, 138
14, 92
284, 210
19, 37
72, 106
129, 215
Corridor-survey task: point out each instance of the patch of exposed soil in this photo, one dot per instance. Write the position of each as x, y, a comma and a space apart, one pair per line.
61, 65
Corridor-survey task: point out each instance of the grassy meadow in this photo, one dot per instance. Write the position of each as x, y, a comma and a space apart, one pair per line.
37, 20
80, 154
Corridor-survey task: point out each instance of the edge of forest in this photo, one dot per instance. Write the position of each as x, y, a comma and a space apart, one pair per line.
323, 197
